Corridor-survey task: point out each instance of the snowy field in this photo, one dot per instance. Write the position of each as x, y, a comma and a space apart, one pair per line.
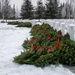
11, 39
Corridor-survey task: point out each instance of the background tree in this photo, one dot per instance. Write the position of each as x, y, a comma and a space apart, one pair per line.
6, 9
40, 10
27, 10
0, 11
59, 11
11, 12
17, 15
14, 12
51, 9
67, 11
56, 8
2, 1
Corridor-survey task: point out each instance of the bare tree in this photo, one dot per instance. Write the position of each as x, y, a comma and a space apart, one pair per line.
2, 9
67, 11
14, 12
6, 9
73, 5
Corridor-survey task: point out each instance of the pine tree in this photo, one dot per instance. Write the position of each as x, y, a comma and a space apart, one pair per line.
56, 9
51, 9
27, 10
40, 10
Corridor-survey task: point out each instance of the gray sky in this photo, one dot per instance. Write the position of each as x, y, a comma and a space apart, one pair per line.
18, 3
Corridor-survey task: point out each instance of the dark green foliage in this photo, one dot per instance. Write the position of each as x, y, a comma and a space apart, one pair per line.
21, 24
14, 23
44, 60
47, 47
26, 24
27, 10
51, 9
24, 56
40, 10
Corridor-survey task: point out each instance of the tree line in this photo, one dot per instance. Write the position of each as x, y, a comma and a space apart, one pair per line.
52, 9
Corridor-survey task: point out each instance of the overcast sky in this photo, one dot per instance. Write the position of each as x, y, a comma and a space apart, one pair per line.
18, 3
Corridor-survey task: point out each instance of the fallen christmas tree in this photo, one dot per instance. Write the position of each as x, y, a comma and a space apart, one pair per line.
20, 24
47, 46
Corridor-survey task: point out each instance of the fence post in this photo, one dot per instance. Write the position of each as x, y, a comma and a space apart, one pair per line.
53, 25
62, 28
33, 22
71, 31
57, 25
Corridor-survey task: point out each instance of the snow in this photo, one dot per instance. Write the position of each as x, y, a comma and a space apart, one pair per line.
11, 40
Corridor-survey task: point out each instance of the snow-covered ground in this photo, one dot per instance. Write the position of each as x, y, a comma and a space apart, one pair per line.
11, 39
